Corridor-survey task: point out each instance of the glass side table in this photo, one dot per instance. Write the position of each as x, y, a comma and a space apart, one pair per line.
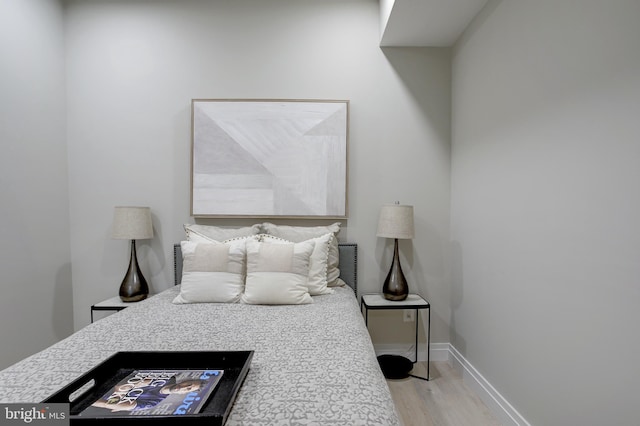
395, 366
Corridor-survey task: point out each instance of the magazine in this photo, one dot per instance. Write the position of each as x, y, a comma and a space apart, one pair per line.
157, 393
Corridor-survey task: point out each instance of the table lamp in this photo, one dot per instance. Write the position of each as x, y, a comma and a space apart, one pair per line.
132, 223
396, 221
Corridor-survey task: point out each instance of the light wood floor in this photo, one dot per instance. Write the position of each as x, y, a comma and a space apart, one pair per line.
442, 401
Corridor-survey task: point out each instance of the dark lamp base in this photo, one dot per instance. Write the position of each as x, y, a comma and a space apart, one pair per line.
133, 299
394, 297
134, 287
395, 286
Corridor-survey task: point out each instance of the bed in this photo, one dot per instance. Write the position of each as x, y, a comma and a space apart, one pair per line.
313, 363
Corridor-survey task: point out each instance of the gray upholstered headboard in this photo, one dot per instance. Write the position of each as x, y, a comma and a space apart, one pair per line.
348, 264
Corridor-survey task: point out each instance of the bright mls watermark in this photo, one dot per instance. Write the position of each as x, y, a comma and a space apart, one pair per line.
34, 414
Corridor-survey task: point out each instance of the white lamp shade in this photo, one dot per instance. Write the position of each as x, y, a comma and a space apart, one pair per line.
396, 221
132, 223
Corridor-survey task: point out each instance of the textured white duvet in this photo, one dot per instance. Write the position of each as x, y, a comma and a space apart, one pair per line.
313, 364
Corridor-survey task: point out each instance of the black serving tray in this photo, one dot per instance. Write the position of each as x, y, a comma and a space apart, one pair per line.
104, 376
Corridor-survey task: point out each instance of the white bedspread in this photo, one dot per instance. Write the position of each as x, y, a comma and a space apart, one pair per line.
313, 364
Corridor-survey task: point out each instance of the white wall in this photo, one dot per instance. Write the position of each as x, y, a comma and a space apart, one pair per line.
545, 207
36, 305
133, 68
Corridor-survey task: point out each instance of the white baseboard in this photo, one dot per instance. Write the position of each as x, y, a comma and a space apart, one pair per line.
439, 351
498, 405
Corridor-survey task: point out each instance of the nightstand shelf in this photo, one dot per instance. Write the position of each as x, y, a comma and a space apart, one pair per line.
413, 301
112, 304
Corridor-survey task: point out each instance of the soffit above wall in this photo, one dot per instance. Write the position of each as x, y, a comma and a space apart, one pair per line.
433, 23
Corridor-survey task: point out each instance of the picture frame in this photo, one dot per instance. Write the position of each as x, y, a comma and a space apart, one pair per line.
261, 158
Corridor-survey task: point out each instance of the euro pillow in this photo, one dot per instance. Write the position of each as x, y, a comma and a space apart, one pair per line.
302, 233
212, 272
277, 273
318, 262
206, 233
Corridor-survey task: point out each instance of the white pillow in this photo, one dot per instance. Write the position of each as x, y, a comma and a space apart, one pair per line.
212, 272
206, 233
317, 279
302, 233
277, 273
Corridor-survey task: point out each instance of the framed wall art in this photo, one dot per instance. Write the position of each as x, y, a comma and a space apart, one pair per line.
269, 158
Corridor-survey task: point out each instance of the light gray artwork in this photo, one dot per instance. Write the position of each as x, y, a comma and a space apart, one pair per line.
269, 158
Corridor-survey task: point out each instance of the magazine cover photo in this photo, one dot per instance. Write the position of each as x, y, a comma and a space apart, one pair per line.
157, 393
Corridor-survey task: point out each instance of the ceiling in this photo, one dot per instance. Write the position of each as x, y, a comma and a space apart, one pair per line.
433, 23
